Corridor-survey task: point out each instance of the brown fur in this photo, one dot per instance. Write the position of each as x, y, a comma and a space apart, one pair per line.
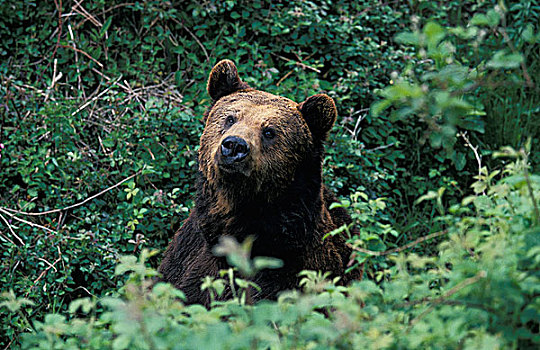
275, 194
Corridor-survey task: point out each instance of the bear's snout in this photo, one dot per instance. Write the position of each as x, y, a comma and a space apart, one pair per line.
234, 149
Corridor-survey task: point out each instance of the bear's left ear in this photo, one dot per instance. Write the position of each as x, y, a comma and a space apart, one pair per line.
319, 112
224, 80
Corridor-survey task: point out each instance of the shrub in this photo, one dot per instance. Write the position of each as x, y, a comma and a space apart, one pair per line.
99, 119
481, 291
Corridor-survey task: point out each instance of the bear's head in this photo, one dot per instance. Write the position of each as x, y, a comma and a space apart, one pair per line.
257, 144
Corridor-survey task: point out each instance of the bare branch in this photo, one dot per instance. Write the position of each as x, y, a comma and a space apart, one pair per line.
43, 274
14, 212
95, 98
195, 38
457, 288
399, 249
3, 210
475, 150
12, 232
300, 64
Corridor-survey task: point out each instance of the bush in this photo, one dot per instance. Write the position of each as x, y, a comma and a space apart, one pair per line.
99, 127
481, 291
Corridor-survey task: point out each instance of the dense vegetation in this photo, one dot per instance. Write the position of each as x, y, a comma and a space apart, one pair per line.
435, 154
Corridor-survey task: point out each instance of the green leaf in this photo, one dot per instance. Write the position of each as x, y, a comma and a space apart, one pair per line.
84, 303
503, 60
380, 106
528, 34
473, 121
479, 19
428, 196
262, 262
459, 160
127, 263
408, 38
12, 303
105, 27
493, 18
464, 33
434, 34
32, 192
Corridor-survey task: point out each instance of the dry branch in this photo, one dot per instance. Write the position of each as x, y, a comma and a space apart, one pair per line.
14, 212
399, 249
454, 290
11, 230
300, 64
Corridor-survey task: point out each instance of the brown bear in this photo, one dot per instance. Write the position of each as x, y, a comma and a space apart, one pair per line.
260, 174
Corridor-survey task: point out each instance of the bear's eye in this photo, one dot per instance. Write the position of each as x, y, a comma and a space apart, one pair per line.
269, 133
230, 120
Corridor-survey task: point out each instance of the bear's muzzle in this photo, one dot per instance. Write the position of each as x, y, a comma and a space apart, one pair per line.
234, 157
234, 149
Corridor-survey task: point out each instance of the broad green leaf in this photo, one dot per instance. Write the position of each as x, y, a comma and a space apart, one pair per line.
480, 19
493, 18
408, 38
459, 160
434, 34
501, 59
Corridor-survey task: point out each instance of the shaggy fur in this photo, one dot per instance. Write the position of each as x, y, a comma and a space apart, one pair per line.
275, 194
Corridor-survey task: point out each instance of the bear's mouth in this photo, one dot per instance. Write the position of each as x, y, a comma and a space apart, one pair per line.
227, 168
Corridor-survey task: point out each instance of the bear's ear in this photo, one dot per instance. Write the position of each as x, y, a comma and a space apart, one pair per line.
319, 112
224, 80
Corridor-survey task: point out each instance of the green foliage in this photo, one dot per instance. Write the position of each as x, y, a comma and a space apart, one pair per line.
437, 87
239, 256
480, 291
100, 114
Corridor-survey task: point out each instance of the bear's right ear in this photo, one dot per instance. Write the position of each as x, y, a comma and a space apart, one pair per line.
224, 80
319, 112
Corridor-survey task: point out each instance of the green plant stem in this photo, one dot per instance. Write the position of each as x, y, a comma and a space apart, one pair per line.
531, 193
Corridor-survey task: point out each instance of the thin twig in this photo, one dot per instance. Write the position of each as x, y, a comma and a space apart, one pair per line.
43, 274
82, 11
84, 53
128, 88
101, 74
399, 249
79, 79
526, 75
86, 290
48, 263
20, 88
4, 210
60, 26
380, 147
361, 117
95, 98
103, 148
54, 79
104, 12
300, 64
475, 150
457, 288
447, 302
284, 77
7, 238
195, 38
149, 151
11, 230
13, 212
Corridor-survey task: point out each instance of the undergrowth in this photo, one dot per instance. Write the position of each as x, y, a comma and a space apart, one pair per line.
100, 113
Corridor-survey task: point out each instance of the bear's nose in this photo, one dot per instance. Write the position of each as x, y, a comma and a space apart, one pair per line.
234, 148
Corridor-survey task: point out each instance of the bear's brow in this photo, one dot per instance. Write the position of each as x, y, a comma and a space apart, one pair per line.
241, 107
